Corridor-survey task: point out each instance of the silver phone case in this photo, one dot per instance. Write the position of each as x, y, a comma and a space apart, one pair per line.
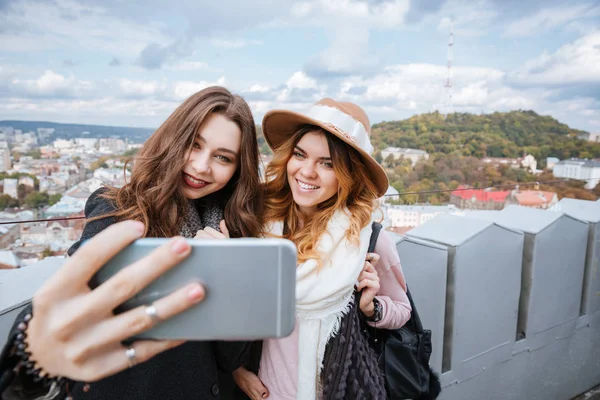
250, 288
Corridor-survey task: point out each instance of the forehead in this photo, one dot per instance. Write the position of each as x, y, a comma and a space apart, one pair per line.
315, 144
218, 131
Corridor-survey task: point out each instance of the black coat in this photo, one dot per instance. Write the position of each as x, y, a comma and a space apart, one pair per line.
189, 371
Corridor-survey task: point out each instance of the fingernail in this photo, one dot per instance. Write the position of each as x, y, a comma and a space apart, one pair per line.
196, 293
179, 246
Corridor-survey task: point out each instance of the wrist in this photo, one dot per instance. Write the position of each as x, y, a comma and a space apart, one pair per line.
377, 313
369, 310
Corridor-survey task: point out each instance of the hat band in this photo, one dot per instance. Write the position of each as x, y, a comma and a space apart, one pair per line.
342, 123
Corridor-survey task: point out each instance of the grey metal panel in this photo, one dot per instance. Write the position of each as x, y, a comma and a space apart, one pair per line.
526, 219
590, 302
6, 322
424, 265
488, 215
582, 209
17, 286
587, 211
559, 371
557, 269
487, 284
449, 229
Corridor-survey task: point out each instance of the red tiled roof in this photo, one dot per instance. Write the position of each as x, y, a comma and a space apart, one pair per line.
534, 197
481, 195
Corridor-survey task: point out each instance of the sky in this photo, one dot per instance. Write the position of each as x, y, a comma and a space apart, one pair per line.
132, 63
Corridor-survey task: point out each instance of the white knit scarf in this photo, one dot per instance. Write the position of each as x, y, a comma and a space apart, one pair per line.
324, 295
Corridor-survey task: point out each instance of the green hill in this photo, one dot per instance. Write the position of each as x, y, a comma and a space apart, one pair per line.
506, 134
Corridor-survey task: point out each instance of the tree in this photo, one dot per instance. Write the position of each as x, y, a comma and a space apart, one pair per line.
35, 153
36, 199
7, 201
99, 163
54, 198
131, 152
23, 191
378, 157
47, 253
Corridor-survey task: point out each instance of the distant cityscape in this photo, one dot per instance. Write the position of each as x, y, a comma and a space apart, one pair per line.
45, 177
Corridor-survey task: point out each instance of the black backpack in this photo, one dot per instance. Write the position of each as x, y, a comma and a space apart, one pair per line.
404, 353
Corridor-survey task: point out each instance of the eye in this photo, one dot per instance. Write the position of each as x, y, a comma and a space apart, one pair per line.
224, 159
297, 154
327, 164
196, 145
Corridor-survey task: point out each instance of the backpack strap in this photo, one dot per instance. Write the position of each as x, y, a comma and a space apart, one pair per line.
376, 226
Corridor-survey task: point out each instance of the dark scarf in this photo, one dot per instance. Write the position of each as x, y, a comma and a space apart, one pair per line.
200, 215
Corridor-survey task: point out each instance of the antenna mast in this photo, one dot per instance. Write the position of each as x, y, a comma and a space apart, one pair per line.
448, 84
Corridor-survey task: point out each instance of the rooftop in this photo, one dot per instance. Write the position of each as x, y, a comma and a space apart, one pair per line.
509, 320
481, 194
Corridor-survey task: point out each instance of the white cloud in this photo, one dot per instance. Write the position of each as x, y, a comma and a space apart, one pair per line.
189, 66
256, 88
347, 24
551, 18
471, 18
100, 110
141, 88
184, 89
234, 44
71, 25
420, 88
51, 84
574, 63
299, 80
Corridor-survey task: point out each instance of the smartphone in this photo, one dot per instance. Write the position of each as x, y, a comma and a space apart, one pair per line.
250, 288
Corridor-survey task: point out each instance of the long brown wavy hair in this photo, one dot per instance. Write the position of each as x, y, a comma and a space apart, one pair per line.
356, 192
154, 194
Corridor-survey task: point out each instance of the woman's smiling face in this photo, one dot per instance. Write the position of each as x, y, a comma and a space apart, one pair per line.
310, 172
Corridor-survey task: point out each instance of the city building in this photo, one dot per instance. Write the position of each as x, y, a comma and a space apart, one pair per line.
403, 216
111, 145
526, 162
478, 199
10, 187
390, 195
574, 168
8, 260
27, 181
111, 176
551, 162
397, 153
590, 137
5, 162
532, 198
73, 201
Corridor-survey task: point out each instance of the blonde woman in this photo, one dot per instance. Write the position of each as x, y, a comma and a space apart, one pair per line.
320, 193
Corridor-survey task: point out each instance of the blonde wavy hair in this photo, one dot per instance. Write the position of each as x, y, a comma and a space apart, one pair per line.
356, 193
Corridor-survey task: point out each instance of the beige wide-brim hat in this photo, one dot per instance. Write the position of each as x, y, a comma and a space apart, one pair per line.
345, 120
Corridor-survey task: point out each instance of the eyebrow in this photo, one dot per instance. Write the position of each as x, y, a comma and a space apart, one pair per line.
222, 149
322, 158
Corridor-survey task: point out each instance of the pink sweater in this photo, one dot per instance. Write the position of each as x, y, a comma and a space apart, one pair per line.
279, 361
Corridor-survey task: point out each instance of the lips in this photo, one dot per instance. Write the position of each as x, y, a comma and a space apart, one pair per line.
193, 182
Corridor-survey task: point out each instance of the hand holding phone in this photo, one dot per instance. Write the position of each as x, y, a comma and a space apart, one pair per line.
73, 332
250, 288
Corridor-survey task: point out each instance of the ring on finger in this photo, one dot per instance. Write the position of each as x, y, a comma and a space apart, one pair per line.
151, 312
130, 355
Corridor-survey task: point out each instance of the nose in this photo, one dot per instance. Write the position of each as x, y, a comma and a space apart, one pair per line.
308, 170
201, 162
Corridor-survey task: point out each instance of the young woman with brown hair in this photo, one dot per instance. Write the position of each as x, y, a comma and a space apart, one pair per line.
320, 193
197, 172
